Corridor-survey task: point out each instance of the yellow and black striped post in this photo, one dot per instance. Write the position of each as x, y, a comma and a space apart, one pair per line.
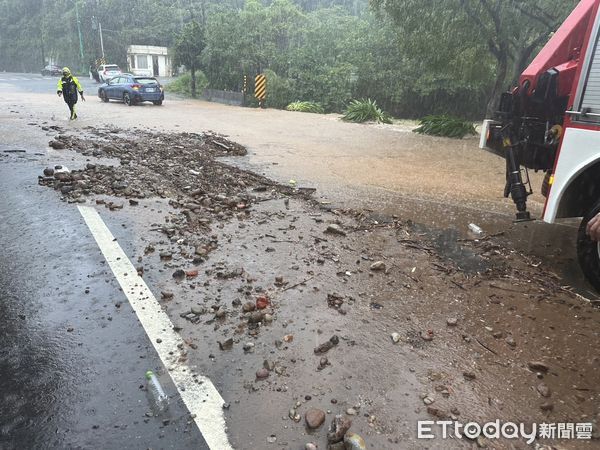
260, 89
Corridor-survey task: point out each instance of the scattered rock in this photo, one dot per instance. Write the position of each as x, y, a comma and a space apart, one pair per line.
543, 390
538, 366
451, 321
179, 275
469, 376
191, 273
378, 265
248, 307
548, 406
326, 346
261, 374
226, 345
427, 335
338, 428
395, 338
48, 171
314, 418
351, 411
262, 302
166, 295
255, 317
334, 228
510, 341
353, 441
248, 347
310, 446
272, 439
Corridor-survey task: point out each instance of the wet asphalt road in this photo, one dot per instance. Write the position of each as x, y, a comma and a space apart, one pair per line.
73, 354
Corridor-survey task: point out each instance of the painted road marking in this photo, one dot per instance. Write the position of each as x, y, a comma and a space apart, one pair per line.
198, 393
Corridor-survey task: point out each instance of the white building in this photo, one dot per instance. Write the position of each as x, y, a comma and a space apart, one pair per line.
149, 60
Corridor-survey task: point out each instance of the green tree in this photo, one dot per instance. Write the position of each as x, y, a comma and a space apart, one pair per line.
188, 49
511, 31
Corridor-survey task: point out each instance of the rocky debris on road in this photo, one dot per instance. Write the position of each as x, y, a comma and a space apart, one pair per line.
236, 260
314, 418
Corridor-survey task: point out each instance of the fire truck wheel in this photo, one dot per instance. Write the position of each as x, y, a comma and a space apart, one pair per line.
588, 251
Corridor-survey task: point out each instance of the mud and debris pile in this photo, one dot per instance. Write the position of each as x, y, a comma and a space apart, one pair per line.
317, 311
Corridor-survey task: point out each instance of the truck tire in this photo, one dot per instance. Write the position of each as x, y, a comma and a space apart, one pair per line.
588, 251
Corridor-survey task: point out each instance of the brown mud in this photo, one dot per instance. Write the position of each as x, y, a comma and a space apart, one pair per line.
471, 315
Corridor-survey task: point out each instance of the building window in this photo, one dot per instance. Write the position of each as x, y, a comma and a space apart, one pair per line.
132, 62
142, 61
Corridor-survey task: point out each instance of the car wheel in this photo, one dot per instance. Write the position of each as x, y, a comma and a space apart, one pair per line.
127, 99
103, 96
158, 102
588, 251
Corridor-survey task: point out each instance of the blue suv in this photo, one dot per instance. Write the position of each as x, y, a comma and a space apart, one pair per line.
131, 90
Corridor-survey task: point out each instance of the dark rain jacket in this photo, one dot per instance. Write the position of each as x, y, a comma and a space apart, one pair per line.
69, 86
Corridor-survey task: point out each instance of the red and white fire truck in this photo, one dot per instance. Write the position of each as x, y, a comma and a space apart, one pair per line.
551, 122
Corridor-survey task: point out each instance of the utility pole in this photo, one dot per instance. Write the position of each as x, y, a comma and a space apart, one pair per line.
101, 40
79, 32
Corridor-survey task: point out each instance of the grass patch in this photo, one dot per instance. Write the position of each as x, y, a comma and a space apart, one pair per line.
309, 107
446, 126
182, 85
365, 110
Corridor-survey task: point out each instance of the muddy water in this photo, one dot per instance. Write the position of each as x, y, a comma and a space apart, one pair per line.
431, 278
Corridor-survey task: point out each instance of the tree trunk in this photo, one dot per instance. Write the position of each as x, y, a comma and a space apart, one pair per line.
193, 82
501, 71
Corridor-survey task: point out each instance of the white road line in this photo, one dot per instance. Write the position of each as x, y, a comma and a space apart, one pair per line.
198, 392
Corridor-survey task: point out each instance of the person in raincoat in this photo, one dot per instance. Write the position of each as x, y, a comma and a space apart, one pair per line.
68, 86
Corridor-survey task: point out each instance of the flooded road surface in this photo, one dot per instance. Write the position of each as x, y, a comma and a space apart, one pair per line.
73, 357
377, 306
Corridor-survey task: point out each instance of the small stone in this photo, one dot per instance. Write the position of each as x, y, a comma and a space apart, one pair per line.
48, 171
395, 338
451, 321
262, 302
310, 446
261, 374
378, 265
548, 406
158, 340
510, 341
179, 274
469, 376
351, 411
248, 347
353, 441
198, 310
498, 335
226, 345
255, 317
538, 366
543, 390
427, 335
166, 295
70, 329
268, 318
429, 399
272, 439
191, 273
269, 365
335, 229
165, 255
338, 428
248, 307
314, 418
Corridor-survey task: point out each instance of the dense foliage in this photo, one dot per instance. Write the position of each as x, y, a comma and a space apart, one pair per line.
310, 107
365, 110
414, 57
445, 126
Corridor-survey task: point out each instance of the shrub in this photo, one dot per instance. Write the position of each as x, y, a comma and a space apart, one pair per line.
182, 84
446, 126
280, 90
365, 111
309, 107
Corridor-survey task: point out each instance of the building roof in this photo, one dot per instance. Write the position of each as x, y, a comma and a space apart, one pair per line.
147, 50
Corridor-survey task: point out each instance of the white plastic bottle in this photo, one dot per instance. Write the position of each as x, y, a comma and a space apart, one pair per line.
159, 398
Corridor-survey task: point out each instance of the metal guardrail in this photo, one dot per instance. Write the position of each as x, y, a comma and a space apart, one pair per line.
227, 97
